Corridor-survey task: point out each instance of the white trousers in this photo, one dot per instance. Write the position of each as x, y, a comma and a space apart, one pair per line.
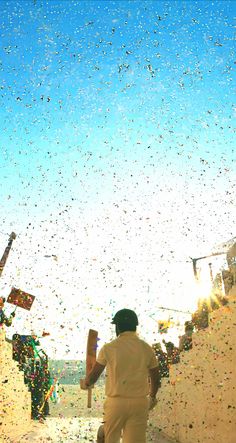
127, 416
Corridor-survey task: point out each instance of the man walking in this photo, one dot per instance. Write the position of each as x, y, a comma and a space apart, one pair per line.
129, 363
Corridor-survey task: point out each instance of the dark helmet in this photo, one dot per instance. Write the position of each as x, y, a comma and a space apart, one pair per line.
169, 345
125, 316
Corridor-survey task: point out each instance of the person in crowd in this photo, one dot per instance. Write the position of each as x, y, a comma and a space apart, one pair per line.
231, 260
129, 362
217, 300
26, 368
200, 318
39, 386
228, 280
162, 359
185, 341
4, 320
172, 353
55, 394
36, 388
231, 256
46, 384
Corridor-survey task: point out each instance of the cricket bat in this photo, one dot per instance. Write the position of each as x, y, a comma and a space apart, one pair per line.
6, 252
91, 358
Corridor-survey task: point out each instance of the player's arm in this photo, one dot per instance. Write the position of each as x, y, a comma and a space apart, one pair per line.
155, 381
94, 374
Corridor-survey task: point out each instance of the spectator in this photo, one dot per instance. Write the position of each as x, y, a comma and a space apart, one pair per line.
231, 260
185, 341
36, 388
228, 280
4, 320
162, 359
200, 317
172, 353
46, 384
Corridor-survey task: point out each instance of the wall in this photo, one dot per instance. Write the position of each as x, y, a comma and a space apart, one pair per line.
15, 399
197, 404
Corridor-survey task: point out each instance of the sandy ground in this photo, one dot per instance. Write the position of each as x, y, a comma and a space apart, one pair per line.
71, 420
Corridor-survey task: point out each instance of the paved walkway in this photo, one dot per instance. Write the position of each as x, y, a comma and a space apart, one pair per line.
70, 420
68, 430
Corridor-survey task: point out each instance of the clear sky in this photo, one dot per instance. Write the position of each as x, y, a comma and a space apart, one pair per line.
117, 158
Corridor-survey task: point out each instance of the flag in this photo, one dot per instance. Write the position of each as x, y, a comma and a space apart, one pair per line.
21, 299
163, 326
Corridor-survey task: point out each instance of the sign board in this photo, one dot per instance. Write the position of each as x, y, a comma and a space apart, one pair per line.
21, 299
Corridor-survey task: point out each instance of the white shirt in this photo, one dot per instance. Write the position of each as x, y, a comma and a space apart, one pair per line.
127, 360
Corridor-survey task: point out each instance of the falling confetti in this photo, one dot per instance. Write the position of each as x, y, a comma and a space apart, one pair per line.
117, 161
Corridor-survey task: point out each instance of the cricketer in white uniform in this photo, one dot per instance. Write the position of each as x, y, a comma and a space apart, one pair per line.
129, 363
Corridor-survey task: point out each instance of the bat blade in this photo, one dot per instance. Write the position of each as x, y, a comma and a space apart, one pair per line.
91, 358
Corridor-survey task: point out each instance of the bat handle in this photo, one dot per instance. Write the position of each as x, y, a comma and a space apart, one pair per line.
89, 404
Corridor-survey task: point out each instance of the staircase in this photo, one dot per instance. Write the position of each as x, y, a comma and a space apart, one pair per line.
197, 404
15, 399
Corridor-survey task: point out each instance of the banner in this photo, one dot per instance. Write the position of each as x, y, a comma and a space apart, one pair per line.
164, 325
21, 299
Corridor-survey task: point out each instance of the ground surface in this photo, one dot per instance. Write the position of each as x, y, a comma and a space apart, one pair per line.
71, 420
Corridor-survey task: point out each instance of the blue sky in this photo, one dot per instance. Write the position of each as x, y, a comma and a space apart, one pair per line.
117, 146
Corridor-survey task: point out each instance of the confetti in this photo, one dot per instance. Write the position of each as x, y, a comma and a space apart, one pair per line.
117, 164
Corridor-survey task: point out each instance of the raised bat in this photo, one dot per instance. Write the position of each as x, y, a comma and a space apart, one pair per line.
91, 358
6, 252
